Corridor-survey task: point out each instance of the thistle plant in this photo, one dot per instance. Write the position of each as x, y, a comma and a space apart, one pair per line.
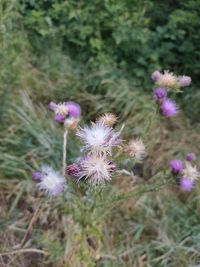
165, 83
103, 151
186, 172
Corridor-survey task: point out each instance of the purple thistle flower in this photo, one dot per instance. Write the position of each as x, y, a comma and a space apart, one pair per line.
37, 176
186, 184
73, 170
169, 108
60, 110
59, 118
184, 81
73, 109
190, 157
176, 166
159, 93
156, 75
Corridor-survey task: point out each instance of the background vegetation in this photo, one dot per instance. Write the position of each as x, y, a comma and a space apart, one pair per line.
101, 54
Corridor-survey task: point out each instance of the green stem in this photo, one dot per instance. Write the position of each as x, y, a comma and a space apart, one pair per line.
64, 152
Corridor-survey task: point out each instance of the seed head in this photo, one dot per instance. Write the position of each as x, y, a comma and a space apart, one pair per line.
108, 119
136, 149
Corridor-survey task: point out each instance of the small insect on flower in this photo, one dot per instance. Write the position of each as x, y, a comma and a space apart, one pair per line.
186, 184
176, 166
169, 108
190, 172
167, 80
51, 181
184, 81
156, 75
96, 170
159, 94
135, 149
108, 119
99, 139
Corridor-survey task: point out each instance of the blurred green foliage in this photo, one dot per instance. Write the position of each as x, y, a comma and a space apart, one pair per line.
137, 35
126, 38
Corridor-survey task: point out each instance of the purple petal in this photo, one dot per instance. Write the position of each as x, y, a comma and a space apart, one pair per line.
176, 166
59, 118
186, 184
169, 108
52, 106
190, 157
37, 176
73, 109
184, 81
57, 190
73, 170
159, 93
156, 75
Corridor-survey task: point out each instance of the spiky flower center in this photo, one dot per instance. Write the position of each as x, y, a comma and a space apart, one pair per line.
61, 109
136, 149
99, 138
190, 172
167, 79
96, 170
108, 119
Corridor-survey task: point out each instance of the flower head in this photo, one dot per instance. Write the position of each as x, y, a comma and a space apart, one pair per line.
59, 118
98, 139
190, 172
73, 109
159, 93
176, 166
74, 170
60, 110
51, 181
184, 80
167, 80
65, 110
52, 106
190, 157
108, 119
169, 108
96, 170
135, 149
156, 75
186, 184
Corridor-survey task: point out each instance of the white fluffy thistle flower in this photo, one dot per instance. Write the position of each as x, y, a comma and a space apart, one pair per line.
98, 139
51, 182
135, 149
96, 170
190, 172
167, 80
